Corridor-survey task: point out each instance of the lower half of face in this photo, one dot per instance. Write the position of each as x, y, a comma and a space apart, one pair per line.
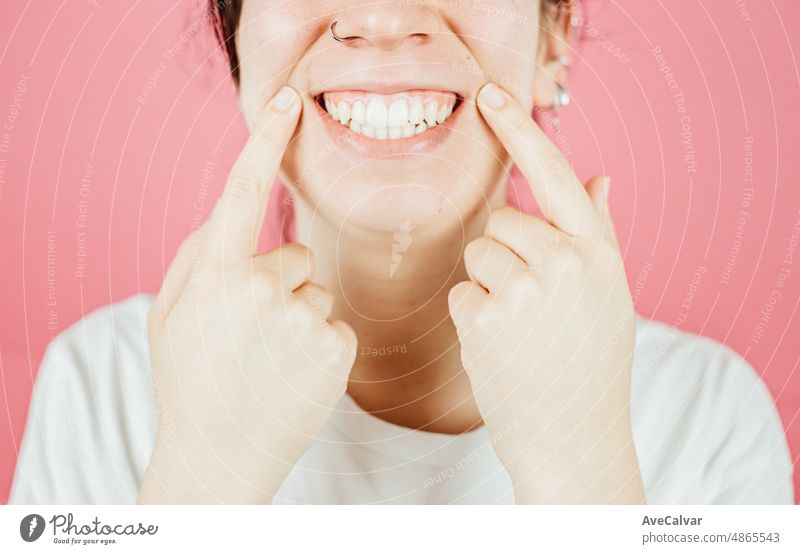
390, 135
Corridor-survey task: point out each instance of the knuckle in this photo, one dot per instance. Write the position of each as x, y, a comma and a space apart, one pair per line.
244, 184
547, 249
523, 286
520, 122
571, 265
555, 166
319, 296
341, 341
477, 248
266, 130
297, 248
506, 214
299, 252
489, 318
266, 284
505, 211
205, 278
300, 314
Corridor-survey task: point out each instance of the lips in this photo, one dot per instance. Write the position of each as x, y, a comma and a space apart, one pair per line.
391, 124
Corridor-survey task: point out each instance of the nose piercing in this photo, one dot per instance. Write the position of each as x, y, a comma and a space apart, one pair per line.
336, 37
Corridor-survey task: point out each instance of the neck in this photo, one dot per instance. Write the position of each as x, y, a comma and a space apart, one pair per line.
392, 289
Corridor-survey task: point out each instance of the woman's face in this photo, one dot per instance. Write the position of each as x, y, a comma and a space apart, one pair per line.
409, 146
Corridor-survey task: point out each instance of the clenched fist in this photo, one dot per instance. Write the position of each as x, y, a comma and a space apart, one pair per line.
246, 366
547, 329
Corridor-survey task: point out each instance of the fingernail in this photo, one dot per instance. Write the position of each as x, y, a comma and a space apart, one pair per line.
284, 100
492, 96
606, 185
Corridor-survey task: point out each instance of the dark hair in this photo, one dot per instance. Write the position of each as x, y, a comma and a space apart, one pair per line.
225, 15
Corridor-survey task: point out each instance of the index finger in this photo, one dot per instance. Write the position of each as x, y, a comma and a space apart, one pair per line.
239, 213
557, 189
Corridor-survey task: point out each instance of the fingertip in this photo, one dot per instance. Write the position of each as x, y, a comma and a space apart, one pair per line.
596, 189
458, 294
491, 97
286, 100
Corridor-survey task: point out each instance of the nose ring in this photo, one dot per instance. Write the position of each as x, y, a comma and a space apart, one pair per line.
336, 37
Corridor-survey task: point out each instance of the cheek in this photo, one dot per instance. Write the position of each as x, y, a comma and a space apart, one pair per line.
281, 49
272, 38
503, 38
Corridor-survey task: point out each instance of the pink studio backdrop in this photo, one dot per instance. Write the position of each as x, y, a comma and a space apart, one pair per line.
118, 131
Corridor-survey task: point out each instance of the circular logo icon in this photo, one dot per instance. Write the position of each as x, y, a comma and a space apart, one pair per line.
31, 527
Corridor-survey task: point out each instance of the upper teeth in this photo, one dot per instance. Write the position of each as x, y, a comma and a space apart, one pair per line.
403, 118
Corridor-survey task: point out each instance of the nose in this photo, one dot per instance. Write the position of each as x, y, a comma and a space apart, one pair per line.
386, 25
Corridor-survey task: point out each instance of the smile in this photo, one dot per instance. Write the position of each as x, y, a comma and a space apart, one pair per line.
392, 125
390, 116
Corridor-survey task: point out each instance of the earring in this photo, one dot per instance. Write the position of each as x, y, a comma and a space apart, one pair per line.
560, 100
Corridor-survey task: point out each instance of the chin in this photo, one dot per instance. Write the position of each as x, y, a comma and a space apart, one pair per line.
385, 194
363, 200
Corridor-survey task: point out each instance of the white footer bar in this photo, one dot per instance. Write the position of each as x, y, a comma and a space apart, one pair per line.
400, 529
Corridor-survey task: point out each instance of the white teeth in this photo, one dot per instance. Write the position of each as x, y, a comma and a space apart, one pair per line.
395, 133
431, 110
443, 114
376, 113
417, 112
344, 113
404, 118
359, 113
398, 113
331, 109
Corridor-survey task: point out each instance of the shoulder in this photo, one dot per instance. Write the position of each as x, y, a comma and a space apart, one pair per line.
114, 333
705, 425
91, 419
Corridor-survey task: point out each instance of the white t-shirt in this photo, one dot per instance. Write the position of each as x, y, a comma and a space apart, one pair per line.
705, 428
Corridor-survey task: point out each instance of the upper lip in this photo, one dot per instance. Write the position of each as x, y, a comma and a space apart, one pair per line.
375, 87
382, 86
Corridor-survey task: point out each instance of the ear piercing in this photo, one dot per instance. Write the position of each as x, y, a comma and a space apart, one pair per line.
561, 98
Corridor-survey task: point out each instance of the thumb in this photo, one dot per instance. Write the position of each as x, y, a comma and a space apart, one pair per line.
465, 301
598, 190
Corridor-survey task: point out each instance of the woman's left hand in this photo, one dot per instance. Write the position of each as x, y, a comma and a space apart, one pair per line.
547, 329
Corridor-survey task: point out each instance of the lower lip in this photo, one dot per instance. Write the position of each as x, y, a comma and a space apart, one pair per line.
392, 149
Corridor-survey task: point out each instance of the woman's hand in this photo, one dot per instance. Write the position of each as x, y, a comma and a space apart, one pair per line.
246, 367
547, 329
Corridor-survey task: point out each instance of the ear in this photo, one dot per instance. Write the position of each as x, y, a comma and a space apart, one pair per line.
553, 56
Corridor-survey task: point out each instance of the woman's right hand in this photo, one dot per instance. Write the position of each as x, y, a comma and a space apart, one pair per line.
246, 366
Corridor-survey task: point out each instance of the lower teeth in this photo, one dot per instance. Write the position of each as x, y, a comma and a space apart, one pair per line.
389, 133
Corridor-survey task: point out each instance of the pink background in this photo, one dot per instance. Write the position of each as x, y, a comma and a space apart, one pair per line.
79, 133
